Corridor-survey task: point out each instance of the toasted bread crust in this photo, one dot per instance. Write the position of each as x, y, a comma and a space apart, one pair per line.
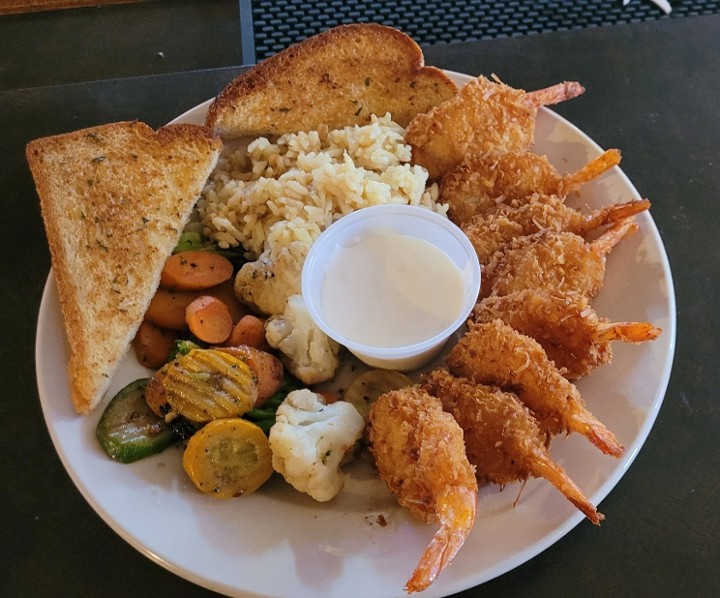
114, 200
336, 78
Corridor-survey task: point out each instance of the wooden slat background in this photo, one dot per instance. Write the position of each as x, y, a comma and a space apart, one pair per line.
20, 6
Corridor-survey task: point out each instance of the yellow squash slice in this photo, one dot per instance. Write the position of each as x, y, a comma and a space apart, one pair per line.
228, 457
208, 384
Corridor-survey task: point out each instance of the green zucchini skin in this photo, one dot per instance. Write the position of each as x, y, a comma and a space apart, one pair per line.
128, 430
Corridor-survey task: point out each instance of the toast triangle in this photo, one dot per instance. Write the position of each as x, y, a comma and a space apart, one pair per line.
114, 200
336, 78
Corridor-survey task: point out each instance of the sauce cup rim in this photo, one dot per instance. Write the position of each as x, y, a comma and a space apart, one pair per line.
325, 245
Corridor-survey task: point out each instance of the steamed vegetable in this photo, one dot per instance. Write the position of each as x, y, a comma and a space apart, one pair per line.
308, 352
167, 308
209, 384
310, 440
248, 330
128, 430
195, 270
368, 386
209, 319
182, 347
228, 457
194, 241
153, 344
264, 416
267, 368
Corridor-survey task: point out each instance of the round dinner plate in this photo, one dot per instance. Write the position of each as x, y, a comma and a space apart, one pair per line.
278, 542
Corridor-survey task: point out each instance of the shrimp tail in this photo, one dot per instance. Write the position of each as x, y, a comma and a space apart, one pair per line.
457, 517
545, 467
629, 332
594, 168
611, 215
560, 92
585, 423
605, 243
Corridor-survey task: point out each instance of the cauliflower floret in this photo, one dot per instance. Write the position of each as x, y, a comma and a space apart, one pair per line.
309, 440
308, 352
267, 282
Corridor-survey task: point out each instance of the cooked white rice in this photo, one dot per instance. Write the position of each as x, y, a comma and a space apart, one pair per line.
267, 194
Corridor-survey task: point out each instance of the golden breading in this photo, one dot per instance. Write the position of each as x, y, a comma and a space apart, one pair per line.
495, 230
495, 354
420, 455
485, 116
485, 180
502, 439
556, 261
573, 335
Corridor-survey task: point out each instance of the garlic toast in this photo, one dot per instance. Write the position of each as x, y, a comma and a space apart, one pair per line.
336, 78
114, 200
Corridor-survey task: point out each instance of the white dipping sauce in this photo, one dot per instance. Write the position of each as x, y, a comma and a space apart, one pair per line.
391, 290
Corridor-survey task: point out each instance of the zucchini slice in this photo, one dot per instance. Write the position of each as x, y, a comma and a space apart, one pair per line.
368, 386
128, 429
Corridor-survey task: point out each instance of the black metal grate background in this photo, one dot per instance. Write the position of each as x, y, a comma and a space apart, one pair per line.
278, 23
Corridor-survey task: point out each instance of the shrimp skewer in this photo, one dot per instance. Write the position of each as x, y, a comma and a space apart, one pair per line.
484, 116
555, 261
420, 455
502, 439
572, 334
495, 354
494, 231
481, 182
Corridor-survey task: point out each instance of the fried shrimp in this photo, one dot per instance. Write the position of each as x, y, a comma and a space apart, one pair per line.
502, 438
556, 261
483, 181
573, 335
494, 231
484, 116
420, 455
495, 354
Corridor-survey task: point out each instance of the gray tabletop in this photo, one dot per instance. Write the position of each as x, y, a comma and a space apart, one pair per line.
652, 91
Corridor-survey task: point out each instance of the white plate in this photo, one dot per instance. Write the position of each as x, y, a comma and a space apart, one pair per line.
278, 542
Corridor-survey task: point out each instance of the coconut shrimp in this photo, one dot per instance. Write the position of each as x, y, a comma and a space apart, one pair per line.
420, 455
572, 334
502, 439
483, 181
556, 261
495, 354
494, 231
484, 116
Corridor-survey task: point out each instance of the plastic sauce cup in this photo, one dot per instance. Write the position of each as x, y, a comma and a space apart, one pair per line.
391, 219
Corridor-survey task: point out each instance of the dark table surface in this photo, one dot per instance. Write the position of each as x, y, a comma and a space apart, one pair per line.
652, 91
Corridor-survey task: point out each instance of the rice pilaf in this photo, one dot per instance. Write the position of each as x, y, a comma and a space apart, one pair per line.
269, 194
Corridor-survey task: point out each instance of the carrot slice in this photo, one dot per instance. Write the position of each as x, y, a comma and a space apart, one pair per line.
155, 396
153, 344
226, 293
209, 319
329, 396
249, 330
267, 368
167, 308
195, 270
